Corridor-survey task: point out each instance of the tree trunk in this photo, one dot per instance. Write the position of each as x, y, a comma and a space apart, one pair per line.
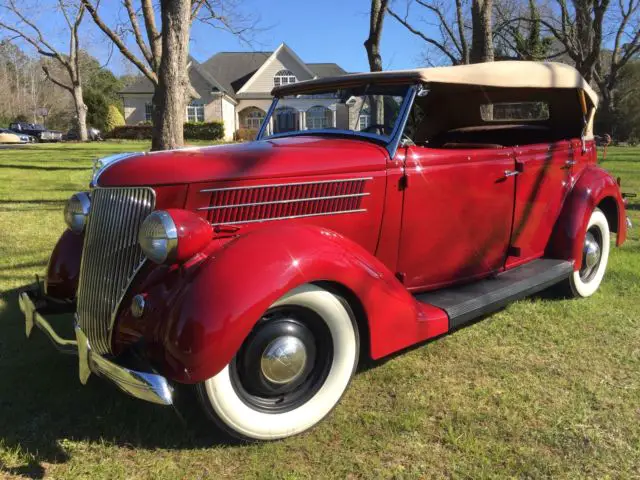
81, 112
482, 33
170, 95
605, 120
372, 44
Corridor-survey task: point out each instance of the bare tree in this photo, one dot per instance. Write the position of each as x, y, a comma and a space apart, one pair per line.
626, 46
164, 51
460, 41
581, 27
22, 26
372, 43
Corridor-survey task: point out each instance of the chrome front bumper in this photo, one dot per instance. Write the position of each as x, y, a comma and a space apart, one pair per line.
145, 386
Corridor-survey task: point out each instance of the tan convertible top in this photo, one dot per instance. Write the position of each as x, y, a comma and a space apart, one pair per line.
507, 74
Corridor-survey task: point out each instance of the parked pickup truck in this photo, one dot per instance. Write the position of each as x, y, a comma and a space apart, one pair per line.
37, 131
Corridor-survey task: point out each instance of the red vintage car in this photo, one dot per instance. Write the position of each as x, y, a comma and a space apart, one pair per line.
259, 273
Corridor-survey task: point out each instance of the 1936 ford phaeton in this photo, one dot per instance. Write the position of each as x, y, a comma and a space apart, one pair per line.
258, 273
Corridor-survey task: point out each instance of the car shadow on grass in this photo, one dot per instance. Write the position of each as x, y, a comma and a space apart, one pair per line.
44, 408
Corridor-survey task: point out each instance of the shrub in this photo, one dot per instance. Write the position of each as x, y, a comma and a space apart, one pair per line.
245, 134
114, 119
192, 131
204, 131
132, 132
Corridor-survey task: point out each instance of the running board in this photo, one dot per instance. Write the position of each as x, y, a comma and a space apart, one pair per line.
466, 302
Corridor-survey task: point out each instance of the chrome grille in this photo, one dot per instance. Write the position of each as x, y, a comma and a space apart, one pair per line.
110, 257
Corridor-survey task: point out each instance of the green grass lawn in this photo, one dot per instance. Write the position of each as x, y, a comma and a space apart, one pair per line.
546, 387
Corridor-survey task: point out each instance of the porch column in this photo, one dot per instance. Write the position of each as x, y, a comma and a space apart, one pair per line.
303, 119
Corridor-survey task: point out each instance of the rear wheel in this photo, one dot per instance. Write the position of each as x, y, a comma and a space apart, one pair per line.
595, 255
290, 371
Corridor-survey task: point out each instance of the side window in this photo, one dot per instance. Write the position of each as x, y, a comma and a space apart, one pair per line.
415, 121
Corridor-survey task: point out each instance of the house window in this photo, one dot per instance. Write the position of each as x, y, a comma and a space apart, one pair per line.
284, 77
148, 112
254, 119
195, 112
318, 117
364, 121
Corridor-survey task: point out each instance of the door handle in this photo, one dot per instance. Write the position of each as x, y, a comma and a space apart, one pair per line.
511, 173
570, 162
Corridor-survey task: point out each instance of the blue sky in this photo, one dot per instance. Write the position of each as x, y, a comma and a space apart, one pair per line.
318, 31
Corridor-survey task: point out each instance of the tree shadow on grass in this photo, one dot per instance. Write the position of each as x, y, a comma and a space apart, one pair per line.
42, 403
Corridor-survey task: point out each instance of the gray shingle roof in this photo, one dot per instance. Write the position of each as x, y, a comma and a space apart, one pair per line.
233, 69
326, 69
229, 71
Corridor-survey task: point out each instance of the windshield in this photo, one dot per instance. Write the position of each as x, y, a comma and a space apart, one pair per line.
365, 110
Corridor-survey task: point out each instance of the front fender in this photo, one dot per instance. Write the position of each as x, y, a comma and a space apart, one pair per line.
63, 269
219, 303
595, 187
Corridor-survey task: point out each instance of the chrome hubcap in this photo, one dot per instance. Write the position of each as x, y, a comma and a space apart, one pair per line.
284, 360
590, 255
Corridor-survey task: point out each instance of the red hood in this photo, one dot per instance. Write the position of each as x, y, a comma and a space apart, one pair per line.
284, 157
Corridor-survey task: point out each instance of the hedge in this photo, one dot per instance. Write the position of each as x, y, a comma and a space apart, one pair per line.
245, 134
192, 131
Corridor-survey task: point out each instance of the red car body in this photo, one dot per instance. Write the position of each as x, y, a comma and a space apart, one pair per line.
377, 226
368, 253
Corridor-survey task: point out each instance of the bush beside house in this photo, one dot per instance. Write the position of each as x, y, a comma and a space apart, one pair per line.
114, 119
245, 134
192, 131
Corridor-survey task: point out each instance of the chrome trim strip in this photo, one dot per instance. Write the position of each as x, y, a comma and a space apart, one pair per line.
280, 202
247, 187
359, 210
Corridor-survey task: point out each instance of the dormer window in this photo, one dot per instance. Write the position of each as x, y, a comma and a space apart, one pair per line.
284, 77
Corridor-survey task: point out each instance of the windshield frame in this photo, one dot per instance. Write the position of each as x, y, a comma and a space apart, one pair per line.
391, 142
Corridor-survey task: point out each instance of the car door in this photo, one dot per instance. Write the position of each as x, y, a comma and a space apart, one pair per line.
541, 189
457, 215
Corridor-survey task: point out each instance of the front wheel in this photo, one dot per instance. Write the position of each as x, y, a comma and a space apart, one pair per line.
290, 371
595, 254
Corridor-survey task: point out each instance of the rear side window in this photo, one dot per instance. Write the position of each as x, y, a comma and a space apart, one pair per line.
519, 111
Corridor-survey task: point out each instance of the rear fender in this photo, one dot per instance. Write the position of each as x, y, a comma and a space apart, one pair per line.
220, 303
594, 187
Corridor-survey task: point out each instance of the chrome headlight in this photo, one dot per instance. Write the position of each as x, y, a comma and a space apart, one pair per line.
158, 237
76, 211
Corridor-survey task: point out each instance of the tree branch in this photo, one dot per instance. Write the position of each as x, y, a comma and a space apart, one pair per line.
154, 36
133, 19
45, 69
440, 46
150, 74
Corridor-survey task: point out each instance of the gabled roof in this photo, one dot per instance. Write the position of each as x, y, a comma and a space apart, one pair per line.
326, 69
233, 69
144, 85
228, 72
282, 48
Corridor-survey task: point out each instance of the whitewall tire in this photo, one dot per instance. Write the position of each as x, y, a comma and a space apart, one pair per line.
595, 255
290, 371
